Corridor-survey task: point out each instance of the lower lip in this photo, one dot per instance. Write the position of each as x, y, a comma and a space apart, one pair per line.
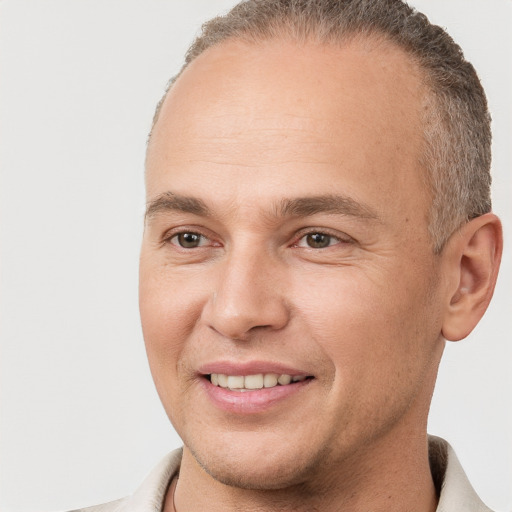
251, 402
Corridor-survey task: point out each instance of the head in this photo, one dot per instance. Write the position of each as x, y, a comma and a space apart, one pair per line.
295, 228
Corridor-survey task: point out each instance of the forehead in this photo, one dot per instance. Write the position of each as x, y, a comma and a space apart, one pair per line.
280, 110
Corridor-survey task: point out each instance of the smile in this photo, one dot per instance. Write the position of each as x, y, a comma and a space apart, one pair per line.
243, 389
254, 382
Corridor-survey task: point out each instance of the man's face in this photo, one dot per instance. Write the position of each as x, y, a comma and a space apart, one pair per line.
287, 235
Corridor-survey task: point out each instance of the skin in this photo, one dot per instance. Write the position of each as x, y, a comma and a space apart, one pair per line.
244, 129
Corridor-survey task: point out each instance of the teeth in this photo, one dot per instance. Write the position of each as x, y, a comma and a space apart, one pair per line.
222, 380
270, 380
235, 382
250, 382
253, 381
284, 379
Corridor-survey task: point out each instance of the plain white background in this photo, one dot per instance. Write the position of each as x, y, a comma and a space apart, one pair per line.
80, 420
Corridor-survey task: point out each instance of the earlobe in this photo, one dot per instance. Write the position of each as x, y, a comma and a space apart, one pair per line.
473, 262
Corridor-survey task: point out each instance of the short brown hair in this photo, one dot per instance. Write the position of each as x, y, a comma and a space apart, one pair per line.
457, 134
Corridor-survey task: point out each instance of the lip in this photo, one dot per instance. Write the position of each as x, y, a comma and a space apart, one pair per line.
254, 401
250, 368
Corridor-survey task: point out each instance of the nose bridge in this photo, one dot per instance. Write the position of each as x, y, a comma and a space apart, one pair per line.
247, 294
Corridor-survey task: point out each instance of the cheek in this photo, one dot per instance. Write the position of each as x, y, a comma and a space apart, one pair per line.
379, 338
169, 308
370, 325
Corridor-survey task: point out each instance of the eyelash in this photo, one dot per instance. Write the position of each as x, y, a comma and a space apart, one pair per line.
170, 236
322, 233
168, 239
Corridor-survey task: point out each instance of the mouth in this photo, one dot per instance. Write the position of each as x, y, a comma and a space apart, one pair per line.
252, 387
255, 382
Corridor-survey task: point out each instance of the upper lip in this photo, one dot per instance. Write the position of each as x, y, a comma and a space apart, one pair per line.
250, 368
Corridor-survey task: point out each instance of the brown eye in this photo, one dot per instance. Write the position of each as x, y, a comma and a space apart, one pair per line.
188, 240
318, 240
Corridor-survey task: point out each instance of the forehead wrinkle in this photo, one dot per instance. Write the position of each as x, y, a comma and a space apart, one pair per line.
334, 204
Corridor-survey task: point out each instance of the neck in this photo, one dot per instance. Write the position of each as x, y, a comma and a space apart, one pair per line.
389, 476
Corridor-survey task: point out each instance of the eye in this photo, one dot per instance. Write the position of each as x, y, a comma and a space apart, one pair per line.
188, 240
317, 240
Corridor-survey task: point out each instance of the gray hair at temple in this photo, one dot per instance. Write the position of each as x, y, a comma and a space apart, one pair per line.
456, 121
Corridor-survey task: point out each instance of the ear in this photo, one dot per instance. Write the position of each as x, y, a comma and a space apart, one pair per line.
473, 255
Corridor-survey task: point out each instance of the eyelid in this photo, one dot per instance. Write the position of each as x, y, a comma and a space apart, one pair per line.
340, 236
168, 235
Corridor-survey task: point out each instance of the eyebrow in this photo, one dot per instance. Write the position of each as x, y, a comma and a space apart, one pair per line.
169, 201
334, 204
296, 207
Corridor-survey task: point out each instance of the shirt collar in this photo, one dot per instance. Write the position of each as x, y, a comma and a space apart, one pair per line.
456, 493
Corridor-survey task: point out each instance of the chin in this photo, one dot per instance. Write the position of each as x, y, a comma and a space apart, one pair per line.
258, 469
261, 478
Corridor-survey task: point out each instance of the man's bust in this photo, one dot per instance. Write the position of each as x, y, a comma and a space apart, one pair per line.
318, 225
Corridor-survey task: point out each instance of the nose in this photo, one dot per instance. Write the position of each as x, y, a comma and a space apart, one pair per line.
247, 297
